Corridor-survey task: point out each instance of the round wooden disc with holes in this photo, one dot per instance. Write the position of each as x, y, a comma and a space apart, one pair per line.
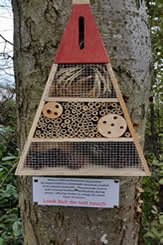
112, 126
52, 110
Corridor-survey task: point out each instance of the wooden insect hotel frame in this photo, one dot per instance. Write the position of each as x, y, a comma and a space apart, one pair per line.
82, 126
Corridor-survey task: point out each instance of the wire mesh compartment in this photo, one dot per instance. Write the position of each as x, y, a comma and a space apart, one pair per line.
82, 80
78, 155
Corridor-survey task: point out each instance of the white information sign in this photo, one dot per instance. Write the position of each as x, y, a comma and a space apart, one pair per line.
78, 192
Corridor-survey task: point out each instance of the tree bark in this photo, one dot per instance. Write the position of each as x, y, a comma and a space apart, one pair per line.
38, 27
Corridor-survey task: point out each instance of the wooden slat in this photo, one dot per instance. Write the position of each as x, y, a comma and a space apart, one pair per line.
80, 1
83, 140
75, 99
127, 117
92, 171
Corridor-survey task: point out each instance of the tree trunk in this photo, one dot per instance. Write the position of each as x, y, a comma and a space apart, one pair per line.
123, 26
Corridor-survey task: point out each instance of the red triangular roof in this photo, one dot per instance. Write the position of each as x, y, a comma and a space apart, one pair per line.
69, 50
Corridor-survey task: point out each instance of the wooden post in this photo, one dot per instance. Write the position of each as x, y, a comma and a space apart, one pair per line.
80, 1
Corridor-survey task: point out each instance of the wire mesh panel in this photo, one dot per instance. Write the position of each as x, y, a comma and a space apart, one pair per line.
78, 155
82, 80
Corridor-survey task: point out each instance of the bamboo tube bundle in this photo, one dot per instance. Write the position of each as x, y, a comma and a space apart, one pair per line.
43, 128
91, 134
118, 107
85, 127
42, 136
108, 111
66, 106
59, 120
119, 112
76, 132
78, 107
94, 113
63, 125
114, 104
38, 132
80, 135
70, 135
70, 117
70, 130
85, 123
102, 113
42, 118
90, 104
104, 108
95, 118
84, 113
113, 111
73, 124
88, 116
85, 108
91, 110
47, 120
67, 112
39, 126
67, 121
90, 124
84, 117
50, 126
97, 105
63, 116
54, 134
63, 132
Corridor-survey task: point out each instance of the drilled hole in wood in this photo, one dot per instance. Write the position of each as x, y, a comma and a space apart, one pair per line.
55, 113
104, 122
121, 127
57, 106
115, 117
112, 124
48, 111
109, 132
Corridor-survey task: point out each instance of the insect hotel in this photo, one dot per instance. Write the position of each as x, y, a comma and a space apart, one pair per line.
82, 126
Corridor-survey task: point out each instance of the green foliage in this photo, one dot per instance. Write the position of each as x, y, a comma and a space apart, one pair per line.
7, 127
155, 117
7, 115
10, 223
152, 218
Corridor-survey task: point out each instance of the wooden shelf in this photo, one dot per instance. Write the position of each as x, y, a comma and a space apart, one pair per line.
94, 171
82, 140
77, 99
